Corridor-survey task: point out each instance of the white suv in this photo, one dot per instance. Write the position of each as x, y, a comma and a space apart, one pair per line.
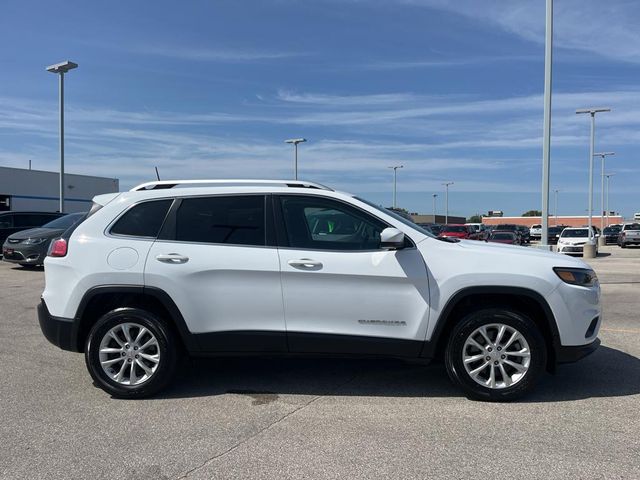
290, 267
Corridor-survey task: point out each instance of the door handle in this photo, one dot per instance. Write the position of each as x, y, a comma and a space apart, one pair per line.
172, 258
305, 263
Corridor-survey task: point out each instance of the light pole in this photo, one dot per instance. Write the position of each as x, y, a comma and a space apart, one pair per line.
556, 205
602, 156
395, 171
435, 195
546, 141
446, 201
295, 142
587, 252
608, 175
61, 69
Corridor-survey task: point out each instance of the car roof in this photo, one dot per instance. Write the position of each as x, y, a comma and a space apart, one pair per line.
13, 212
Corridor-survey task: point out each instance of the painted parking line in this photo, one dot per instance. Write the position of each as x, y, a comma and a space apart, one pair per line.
619, 330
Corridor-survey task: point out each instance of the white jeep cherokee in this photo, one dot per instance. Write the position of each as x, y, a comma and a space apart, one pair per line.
291, 267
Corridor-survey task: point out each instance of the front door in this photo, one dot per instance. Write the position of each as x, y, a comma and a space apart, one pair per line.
342, 292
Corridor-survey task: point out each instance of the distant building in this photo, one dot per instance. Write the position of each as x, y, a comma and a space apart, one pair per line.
570, 221
23, 189
436, 219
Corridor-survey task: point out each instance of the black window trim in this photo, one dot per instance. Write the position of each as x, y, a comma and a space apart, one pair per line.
107, 230
281, 232
167, 232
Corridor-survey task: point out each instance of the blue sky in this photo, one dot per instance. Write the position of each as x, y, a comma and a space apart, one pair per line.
450, 89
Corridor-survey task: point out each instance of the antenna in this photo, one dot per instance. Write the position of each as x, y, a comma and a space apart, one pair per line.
157, 174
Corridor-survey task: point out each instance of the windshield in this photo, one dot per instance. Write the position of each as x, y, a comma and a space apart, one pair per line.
502, 236
612, 230
393, 214
454, 228
633, 226
536, 226
506, 227
65, 222
578, 233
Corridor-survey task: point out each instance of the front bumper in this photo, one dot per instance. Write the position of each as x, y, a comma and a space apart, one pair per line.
25, 255
62, 332
575, 353
570, 248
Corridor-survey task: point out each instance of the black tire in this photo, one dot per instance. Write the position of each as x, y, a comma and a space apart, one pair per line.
623, 245
512, 318
166, 346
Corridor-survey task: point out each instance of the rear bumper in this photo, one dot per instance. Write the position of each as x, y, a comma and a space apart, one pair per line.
574, 353
62, 332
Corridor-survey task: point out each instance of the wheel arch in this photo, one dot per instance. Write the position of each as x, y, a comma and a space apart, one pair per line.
100, 299
525, 300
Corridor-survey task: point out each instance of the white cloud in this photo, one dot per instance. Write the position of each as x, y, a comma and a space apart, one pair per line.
608, 29
224, 55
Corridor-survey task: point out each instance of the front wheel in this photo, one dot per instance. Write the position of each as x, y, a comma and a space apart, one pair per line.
131, 353
495, 354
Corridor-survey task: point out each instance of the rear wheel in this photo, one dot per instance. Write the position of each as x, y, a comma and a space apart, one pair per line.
495, 354
131, 353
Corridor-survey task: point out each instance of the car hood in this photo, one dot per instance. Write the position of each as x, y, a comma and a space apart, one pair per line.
502, 251
37, 233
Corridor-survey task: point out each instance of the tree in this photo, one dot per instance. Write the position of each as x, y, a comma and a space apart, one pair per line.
474, 219
532, 213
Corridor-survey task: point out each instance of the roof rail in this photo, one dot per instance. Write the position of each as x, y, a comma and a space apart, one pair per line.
162, 184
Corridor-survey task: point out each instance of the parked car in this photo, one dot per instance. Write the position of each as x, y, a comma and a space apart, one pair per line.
611, 234
436, 228
535, 232
458, 231
480, 230
572, 240
629, 235
510, 227
29, 247
13, 222
553, 233
524, 234
215, 270
508, 238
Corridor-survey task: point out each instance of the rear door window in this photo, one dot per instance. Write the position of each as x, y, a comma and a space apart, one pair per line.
233, 220
6, 221
143, 219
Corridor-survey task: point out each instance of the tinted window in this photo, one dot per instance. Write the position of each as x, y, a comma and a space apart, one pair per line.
454, 229
238, 220
633, 226
583, 232
26, 220
321, 224
142, 220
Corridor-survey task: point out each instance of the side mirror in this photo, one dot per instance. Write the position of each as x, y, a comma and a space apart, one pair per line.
391, 239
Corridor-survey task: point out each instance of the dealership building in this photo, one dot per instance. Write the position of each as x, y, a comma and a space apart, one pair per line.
36, 190
568, 221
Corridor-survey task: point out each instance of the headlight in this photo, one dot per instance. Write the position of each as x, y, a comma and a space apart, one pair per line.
577, 276
34, 241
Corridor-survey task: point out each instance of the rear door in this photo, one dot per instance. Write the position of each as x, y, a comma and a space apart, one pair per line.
215, 259
342, 292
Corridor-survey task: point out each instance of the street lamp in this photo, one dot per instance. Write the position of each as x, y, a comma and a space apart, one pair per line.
592, 112
602, 156
395, 171
556, 206
435, 195
446, 201
61, 69
608, 175
295, 142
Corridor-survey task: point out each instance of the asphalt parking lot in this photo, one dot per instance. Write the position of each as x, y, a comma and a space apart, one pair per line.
319, 418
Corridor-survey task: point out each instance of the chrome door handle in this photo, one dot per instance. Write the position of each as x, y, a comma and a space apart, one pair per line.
305, 263
172, 258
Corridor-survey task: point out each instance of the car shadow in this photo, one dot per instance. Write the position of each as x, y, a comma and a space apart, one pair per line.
20, 268
606, 373
603, 254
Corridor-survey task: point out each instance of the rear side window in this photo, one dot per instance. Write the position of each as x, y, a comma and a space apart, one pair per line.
6, 221
143, 220
237, 220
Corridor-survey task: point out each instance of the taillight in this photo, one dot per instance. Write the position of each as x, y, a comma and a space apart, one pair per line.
58, 248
